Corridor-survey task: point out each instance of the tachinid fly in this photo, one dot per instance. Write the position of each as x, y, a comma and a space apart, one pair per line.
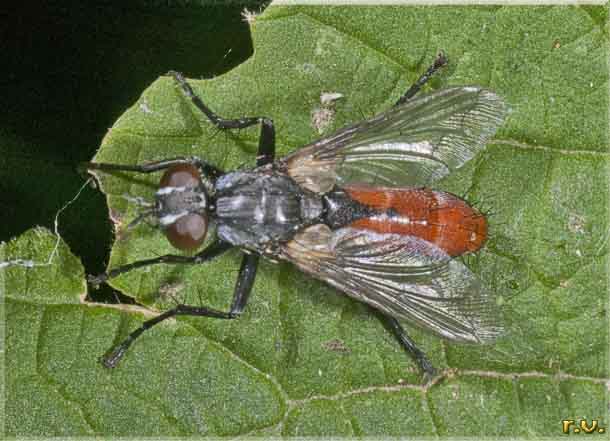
352, 209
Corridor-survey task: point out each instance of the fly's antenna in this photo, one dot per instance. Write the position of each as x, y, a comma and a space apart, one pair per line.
139, 218
139, 201
148, 212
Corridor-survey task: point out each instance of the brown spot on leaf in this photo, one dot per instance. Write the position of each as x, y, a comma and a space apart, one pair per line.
336, 345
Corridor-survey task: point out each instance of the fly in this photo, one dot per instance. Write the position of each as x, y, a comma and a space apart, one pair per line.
353, 209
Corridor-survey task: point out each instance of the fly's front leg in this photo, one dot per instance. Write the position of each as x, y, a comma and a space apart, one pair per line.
212, 251
266, 146
441, 60
243, 288
150, 167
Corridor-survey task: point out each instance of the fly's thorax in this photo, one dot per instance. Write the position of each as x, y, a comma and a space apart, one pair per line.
257, 208
181, 207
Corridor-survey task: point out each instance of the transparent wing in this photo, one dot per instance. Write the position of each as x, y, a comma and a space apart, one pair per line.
412, 144
403, 276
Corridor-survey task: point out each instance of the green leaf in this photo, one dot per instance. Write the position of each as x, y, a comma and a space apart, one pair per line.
303, 360
182, 383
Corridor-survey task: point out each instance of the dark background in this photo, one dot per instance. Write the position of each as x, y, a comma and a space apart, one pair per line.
70, 69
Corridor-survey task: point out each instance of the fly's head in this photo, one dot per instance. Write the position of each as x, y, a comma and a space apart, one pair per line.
181, 207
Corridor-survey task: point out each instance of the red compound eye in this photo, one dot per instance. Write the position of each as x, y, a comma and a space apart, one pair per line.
181, 175
188, 232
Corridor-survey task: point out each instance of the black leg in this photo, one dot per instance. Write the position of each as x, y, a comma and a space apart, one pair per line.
245, 280
266, 148
266, 143
243, 288
207, 169
408, 344
441, 60
213, 250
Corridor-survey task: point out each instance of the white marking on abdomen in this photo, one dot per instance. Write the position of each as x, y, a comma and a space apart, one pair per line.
400, 219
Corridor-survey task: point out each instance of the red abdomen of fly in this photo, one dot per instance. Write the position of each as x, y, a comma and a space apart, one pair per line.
435, 216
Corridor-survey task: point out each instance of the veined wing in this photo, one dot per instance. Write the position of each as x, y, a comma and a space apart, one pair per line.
403, 276
412, 144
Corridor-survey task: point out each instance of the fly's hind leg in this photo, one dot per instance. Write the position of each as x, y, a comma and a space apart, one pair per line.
441, 60
266, 146
243, 288
409, 345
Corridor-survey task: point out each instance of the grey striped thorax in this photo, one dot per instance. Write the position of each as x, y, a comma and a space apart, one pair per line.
254, 209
